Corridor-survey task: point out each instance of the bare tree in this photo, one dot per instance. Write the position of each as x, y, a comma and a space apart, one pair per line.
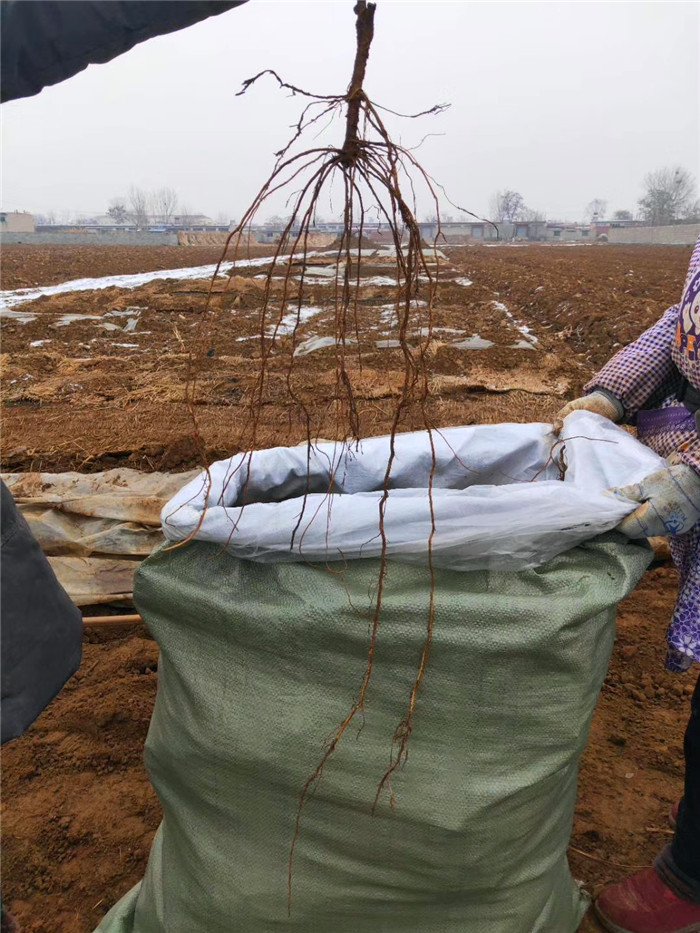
506, 206
622, 215
669, 196
530, 214
138, 202
595, 210
118, 210
692, 213
164, 204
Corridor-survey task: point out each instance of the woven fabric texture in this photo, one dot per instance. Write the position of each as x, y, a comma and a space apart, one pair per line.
259, 663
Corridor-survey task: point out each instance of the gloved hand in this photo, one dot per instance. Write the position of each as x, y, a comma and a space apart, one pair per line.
597, 402
671, 503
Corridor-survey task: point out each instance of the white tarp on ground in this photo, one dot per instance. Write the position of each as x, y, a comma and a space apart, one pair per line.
10, 299
497, 498
95, 528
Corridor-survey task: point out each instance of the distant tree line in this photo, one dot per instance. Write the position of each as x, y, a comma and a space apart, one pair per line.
140, 207
143, 208
509, 207
670, 196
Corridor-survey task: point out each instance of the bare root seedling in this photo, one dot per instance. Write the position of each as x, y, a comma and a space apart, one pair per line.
376, 177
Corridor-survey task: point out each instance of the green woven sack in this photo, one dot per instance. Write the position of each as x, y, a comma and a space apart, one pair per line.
259, 663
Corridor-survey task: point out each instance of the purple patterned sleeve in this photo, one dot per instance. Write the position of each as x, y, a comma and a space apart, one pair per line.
642, 369
690, 454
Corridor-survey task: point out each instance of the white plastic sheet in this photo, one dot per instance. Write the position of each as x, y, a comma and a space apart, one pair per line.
497, 499
95, 527
9, 299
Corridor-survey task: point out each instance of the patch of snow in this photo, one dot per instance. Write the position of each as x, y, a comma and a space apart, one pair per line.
318, 343
39, 343
415, 303
292, 320
475, 342
131, 346
21, 317
387, 344
527, 334
431, 251
378, 280
125, 312
426, 331
388, 313
65, 319
464, 281
523, 328
521, 345
318, 272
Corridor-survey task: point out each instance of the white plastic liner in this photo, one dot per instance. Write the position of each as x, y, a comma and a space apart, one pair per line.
9, 299
498, 502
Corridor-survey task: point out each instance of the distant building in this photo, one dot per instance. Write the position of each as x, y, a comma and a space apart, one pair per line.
451, 231
191, 220
483, 231
568, 233
152, 224
16, 222
533, 230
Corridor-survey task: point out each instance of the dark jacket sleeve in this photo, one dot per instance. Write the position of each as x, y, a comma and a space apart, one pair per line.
42, 43
41, 637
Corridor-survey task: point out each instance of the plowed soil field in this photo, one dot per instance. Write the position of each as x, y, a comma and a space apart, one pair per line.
94, 379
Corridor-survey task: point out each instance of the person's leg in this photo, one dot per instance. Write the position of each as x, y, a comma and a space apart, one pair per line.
679, 863
8, 924
666, 898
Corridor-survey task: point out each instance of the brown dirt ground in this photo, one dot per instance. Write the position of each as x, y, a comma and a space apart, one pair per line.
24, 266
78, 812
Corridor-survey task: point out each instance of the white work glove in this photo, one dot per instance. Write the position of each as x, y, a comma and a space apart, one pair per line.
597, 402
671, 503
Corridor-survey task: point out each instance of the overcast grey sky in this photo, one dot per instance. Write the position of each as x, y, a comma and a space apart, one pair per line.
563, 101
